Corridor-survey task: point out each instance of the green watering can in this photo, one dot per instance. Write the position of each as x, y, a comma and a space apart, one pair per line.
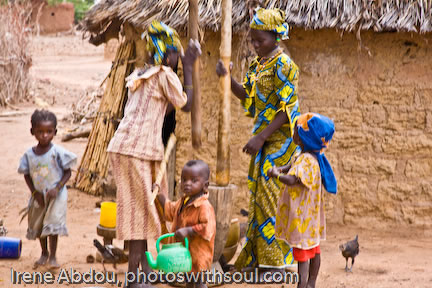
172, 258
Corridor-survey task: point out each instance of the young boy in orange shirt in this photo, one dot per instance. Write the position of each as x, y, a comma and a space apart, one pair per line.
193, 216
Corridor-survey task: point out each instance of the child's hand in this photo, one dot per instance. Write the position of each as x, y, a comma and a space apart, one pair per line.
161, 198
38, 196
285, 169
182, 233
220, 68
52, 193
273, 172
254, 145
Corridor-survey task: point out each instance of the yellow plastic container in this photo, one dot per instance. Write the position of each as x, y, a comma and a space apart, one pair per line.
108, 214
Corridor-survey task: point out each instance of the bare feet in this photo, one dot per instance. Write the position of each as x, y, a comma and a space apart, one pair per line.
42, 261
52, 263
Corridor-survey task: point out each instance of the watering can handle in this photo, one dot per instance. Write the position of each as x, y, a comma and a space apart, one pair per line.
169, 235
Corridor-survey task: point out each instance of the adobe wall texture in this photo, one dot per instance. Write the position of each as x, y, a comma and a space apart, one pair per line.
53, 19
380, 97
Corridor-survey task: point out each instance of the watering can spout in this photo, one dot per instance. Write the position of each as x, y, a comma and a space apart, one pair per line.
152, 263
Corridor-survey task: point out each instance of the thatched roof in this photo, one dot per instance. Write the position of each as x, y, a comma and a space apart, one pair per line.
349, 15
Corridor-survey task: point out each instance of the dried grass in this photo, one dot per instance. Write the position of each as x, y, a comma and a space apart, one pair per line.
349, 15
15, 58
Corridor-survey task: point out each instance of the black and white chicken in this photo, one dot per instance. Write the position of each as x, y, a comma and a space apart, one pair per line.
350, 250
110, 254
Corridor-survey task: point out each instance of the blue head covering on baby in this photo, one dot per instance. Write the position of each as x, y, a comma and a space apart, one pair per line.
315, 132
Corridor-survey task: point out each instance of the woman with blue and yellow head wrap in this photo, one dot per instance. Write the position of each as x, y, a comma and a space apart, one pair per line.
269, 96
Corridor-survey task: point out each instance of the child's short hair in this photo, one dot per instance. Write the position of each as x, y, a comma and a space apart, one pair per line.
206, 169
43, 115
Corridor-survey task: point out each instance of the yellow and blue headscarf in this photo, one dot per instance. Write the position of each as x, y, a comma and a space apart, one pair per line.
315, 132
161, 37
270, 20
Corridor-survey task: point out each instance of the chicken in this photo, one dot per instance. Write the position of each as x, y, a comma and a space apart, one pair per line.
110, 253
3, 230
350, 250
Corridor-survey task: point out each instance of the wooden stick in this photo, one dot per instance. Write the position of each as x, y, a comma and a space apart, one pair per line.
196, 101
223, 151
171, 143
77, 134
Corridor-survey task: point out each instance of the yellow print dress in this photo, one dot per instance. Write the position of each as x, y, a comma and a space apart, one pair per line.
271, 87
300, 220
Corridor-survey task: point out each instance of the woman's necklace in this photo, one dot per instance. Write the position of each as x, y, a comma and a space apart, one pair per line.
261, 66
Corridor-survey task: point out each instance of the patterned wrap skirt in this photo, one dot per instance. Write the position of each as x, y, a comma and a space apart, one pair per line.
134, 177
261, 248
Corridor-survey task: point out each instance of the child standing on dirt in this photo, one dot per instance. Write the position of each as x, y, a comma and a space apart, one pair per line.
46, 168
193, 216
300, 219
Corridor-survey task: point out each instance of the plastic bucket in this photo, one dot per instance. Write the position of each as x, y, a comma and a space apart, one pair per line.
108, 214
10, 247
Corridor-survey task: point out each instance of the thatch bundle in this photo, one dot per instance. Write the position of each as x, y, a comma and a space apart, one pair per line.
380, 15
15, 59
93, 168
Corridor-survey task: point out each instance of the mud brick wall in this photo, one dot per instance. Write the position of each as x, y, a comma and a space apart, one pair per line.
379, 93
53, 18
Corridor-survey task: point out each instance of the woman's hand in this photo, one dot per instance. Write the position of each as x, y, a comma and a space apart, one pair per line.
39, 197
274, 172
254, 145
220, 68
192, 53
52, 193
182, 233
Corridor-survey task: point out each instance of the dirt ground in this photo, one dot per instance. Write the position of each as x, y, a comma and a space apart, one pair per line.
63, 69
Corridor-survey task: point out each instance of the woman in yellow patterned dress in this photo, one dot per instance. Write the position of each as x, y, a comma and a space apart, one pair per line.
269, 96
300, 220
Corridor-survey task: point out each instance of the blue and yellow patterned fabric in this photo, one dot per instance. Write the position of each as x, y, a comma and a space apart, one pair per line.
270, 20
271, 87
315, 132
160, 37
